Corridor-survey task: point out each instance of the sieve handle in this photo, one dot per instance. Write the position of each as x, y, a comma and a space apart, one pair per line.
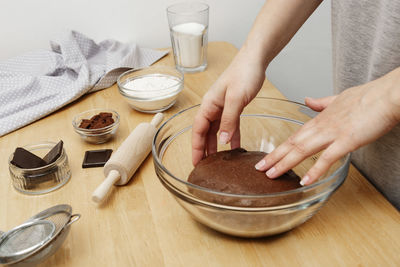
73, 218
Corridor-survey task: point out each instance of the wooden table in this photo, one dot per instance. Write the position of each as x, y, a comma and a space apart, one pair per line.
142, 225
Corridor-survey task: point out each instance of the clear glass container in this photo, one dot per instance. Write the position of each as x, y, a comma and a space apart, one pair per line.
188, 24
96, 136
44, 179
264, 124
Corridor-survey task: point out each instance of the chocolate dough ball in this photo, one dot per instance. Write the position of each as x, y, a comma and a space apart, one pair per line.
233, 171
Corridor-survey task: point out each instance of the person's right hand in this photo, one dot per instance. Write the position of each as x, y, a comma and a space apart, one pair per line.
224, 102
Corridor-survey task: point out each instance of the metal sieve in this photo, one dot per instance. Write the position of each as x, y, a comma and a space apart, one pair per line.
38, 238
24, 239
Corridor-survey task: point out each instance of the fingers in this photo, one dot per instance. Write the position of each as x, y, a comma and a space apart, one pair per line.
210, 111
211, 141
233, 107
333, 153
235, 142
297, 141
309, 140
199, 137
291, 153
319, 104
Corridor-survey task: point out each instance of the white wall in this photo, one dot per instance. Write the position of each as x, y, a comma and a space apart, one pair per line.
303, 68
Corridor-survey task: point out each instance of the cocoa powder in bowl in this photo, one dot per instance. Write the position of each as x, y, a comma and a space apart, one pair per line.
96, 126
101, 120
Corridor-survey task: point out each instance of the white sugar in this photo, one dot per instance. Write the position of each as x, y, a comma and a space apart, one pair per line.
189, 28
188, 44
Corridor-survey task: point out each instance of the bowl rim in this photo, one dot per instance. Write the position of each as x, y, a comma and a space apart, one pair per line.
207, 190
204, 8
94, 132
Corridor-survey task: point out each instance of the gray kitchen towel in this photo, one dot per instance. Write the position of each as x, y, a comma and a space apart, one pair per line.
38, 83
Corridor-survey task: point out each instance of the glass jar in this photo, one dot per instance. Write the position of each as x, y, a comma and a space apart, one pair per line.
43, 179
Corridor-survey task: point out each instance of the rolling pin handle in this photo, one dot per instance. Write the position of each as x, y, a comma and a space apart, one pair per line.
157, 119
101, 191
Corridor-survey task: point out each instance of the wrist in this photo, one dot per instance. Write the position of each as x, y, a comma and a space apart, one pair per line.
255, 54
396, 85
393, 92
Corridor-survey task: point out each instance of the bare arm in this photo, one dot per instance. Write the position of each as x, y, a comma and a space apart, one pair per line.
275, 25
273, 28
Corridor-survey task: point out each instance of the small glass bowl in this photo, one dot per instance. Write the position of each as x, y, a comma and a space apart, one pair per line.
158, 100
44, 179
96, 136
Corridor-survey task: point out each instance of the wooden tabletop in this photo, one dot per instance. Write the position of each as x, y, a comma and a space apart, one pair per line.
142, 225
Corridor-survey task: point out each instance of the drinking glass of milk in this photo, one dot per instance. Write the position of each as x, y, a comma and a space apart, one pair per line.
188, 24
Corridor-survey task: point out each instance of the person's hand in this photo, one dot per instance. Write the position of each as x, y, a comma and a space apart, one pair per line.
275, 25
222, 104
355, 117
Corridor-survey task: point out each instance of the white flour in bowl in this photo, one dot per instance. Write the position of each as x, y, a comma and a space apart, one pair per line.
152, 93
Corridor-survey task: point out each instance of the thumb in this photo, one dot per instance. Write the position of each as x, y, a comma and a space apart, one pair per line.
319, 104
233, 106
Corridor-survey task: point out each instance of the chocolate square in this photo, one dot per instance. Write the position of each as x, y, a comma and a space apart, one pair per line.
54, 153
26, 160
96, 158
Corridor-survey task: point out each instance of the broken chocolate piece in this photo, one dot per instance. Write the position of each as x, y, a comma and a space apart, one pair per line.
95, 117
105, 114
54, 153
96, 158
26, 160
101, 120
85, 124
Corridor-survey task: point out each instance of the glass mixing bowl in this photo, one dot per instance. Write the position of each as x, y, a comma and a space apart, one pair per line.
264, 124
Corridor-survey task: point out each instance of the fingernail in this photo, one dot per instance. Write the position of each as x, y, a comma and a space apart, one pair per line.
223, 138
260, 164
305, 180
271, 172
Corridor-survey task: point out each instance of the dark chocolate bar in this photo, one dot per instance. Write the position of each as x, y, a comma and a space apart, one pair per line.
54, 153
96, 158
26, 160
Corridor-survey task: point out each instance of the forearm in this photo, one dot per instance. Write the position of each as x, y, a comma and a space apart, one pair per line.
275, 25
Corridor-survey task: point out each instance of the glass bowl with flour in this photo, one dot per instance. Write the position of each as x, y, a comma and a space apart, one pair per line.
152, 89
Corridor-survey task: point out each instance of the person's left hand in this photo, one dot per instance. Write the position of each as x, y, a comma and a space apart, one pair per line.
356, 117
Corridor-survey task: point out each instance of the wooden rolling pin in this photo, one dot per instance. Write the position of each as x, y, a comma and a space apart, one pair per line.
124, 162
